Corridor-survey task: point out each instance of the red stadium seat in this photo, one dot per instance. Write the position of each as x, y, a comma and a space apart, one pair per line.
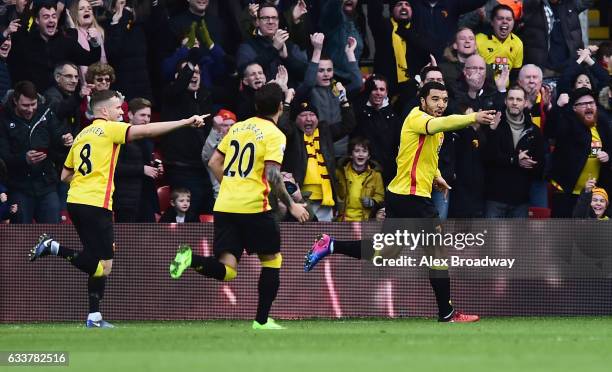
207, 218
539, 213
163, 194
65, 218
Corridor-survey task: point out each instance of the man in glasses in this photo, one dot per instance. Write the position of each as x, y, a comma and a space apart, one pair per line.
271, 47
582, 148
64, 98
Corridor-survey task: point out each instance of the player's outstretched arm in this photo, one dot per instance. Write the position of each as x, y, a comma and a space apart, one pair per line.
456, 122
137, 132
275, 179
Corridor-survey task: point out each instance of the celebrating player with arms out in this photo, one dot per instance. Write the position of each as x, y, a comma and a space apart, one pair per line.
247, 163
89, 168
409, 193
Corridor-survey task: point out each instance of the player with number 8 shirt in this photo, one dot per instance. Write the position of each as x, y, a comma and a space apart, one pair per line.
89, 169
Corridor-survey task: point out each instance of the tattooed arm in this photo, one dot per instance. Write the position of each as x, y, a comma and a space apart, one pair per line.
275, 179
215, 164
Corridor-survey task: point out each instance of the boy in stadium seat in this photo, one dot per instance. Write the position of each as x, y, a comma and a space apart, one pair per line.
178, 211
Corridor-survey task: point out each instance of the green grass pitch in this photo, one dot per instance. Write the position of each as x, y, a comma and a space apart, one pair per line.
578, 344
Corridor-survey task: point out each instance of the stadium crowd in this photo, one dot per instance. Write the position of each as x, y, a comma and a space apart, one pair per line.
549, 149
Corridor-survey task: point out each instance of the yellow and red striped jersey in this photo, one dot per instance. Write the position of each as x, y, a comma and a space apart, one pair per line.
420, 142
93, 157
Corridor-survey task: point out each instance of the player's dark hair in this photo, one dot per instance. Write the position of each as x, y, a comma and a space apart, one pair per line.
428, 87
25, 88
499, 7
103, 96
137, 104
268, 99
361, 141
178, 192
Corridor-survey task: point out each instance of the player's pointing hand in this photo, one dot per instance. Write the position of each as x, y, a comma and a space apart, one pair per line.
485, 117
197, 120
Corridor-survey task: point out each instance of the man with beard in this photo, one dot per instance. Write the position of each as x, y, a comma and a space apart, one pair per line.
36, 53
581, 152
409, 194
514, 159
502, 49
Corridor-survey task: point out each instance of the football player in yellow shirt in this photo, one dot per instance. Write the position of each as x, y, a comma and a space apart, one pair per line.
247, 164
89, 169
409, 193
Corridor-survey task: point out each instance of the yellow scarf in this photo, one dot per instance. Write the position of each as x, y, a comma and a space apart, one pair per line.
399, 49
316, 179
